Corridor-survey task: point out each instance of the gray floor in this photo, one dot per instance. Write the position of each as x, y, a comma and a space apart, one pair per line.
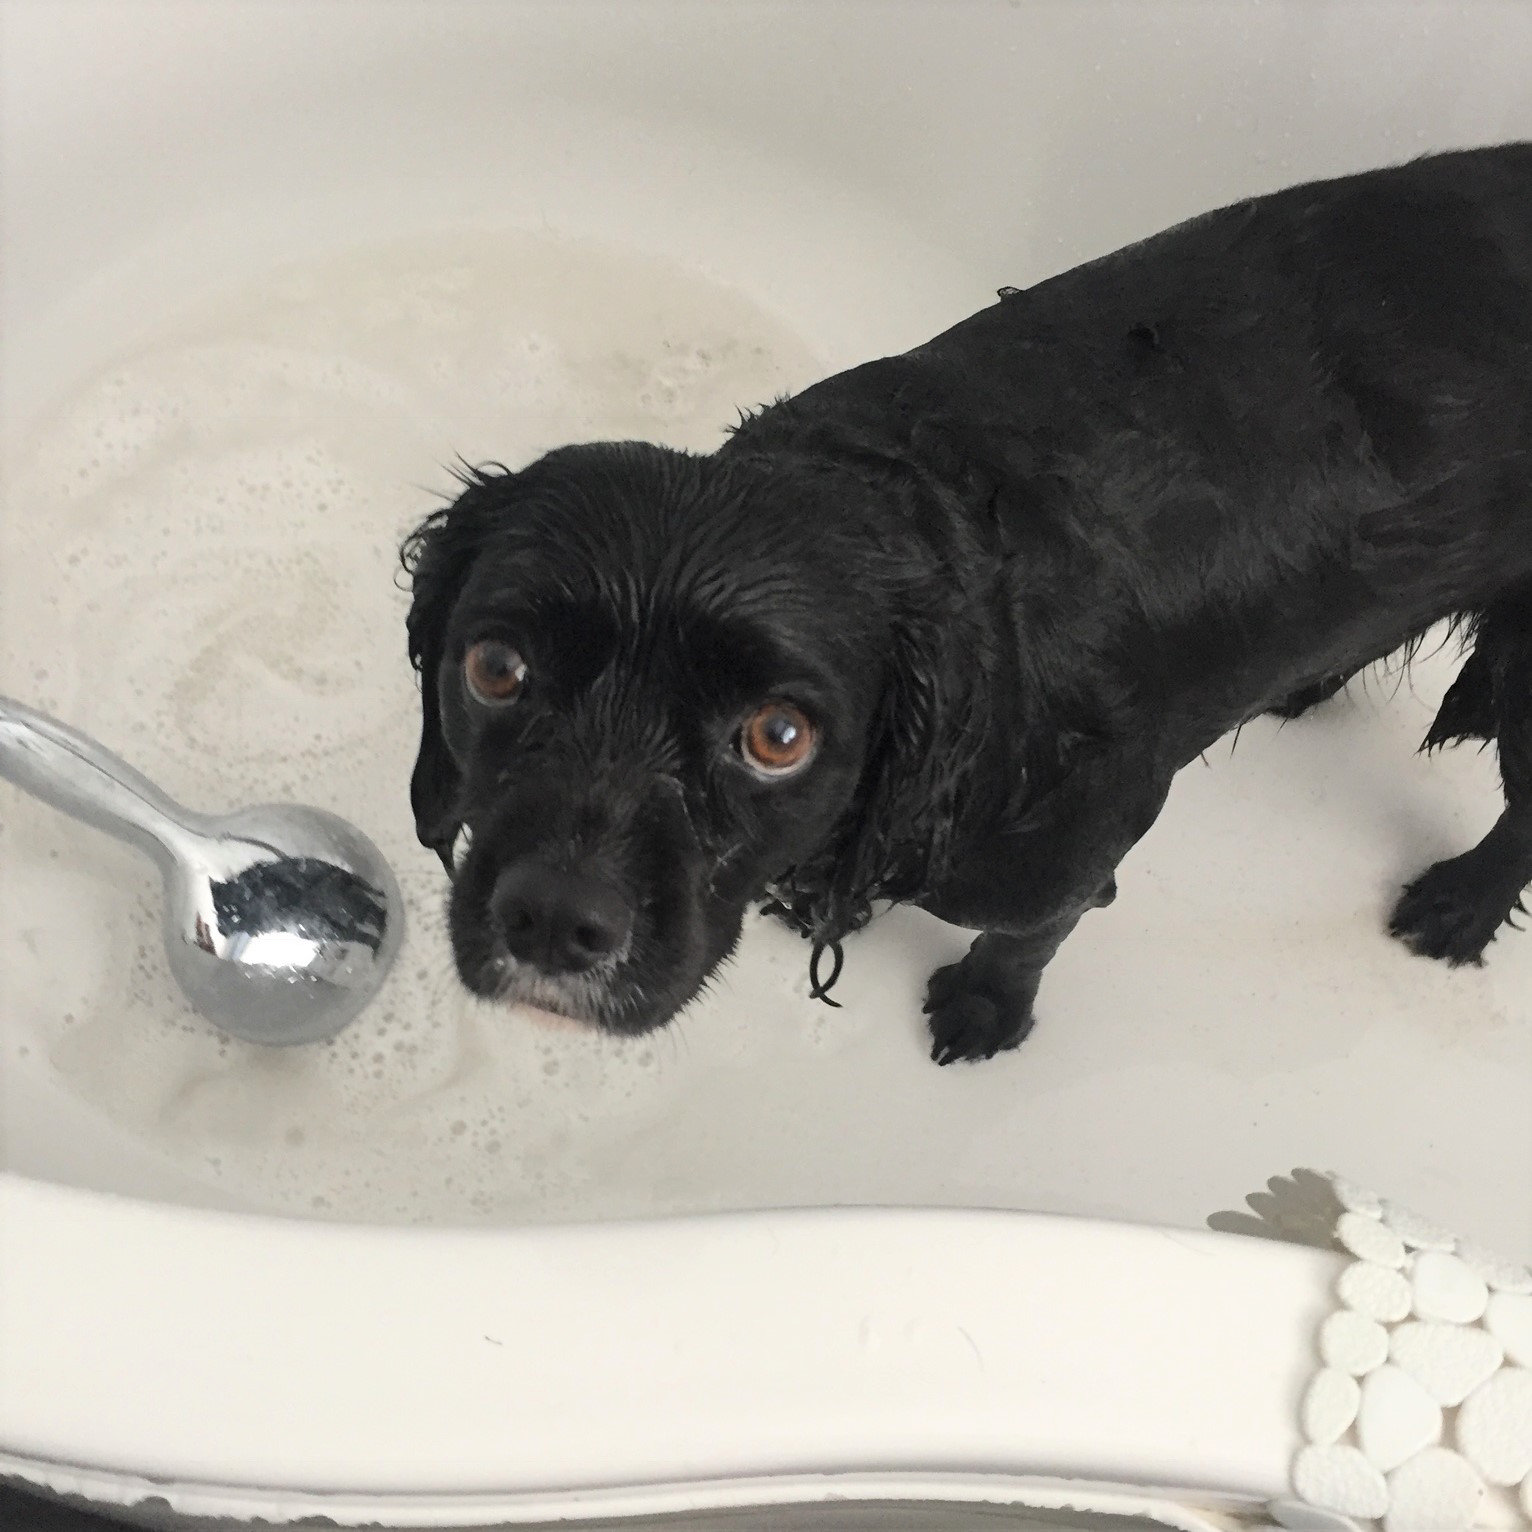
23, 1512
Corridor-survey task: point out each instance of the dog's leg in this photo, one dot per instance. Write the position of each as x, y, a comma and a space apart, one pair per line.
1455, 908
1307, 697
1025, 886
982, 1005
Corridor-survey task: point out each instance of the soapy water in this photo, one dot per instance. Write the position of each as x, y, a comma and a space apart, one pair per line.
198, 566
198, 561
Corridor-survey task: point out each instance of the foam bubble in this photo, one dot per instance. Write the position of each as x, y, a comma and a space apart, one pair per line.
197, 566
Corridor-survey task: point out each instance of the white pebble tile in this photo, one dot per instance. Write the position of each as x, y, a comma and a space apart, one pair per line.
1417, 1232
1352, 1343
1508, 1317
1379, 1292
1435, 1491
1396, 1418
1494, 1427
1340, 1479
1448, 1361
1368, 1240
1447, 1288
1329, 1406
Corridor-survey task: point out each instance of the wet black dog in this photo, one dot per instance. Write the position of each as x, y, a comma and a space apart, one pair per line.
943, 628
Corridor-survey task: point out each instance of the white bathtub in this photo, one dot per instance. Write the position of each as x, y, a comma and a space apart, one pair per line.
286, 1288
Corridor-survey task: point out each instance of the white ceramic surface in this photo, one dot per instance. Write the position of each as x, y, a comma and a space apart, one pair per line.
844, 180
595, 1367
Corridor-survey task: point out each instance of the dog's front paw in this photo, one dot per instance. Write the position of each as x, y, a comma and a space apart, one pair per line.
1451, 912
975, 1012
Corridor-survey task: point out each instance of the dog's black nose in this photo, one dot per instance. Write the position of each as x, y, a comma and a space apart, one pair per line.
559, 922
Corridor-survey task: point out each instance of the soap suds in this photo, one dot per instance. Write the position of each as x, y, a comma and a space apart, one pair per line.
200, 569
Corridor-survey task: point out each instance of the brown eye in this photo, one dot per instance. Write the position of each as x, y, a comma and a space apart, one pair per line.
495, 672
777, 739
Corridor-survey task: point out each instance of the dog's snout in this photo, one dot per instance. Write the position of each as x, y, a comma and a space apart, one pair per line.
556, 921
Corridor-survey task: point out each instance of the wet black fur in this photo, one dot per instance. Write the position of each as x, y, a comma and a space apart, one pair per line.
1020, 576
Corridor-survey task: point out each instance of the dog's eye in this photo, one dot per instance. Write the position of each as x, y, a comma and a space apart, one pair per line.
495, 672
777, 739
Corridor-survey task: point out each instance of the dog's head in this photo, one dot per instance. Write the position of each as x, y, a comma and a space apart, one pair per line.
654, 687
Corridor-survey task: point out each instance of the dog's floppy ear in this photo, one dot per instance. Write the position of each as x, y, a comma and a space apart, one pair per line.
923, 749
437, 557
923, 745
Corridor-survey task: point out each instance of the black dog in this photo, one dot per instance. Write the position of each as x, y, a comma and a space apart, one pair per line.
943, 628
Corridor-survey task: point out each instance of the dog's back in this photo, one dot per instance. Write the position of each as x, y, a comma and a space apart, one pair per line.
1283, 438
1374, 328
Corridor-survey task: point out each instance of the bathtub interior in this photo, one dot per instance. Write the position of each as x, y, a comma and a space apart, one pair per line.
266, 269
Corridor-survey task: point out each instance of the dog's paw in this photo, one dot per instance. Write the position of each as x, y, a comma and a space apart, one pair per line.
974, 1014
1449, 913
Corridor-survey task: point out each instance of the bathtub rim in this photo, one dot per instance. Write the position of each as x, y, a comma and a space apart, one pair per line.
100, 1370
